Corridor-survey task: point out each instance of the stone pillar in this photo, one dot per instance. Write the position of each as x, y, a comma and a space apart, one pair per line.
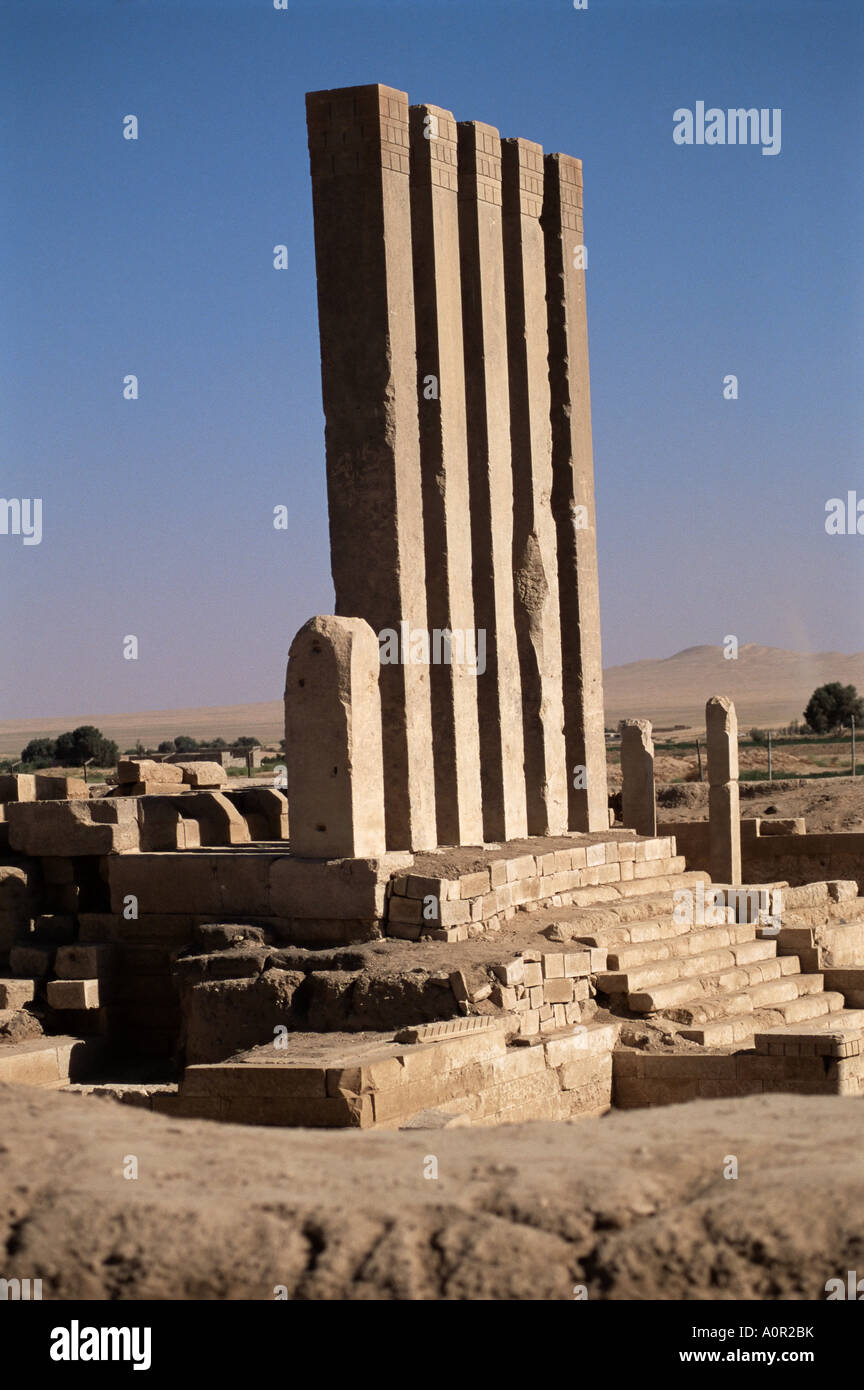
638, 804
724, 815
491, 481
573, 493
359, 153
535, 563
333, 746
444, 464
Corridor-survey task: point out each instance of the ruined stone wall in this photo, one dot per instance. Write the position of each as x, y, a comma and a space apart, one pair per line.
768, 856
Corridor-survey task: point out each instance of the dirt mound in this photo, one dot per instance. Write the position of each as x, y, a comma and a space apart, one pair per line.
632, 1206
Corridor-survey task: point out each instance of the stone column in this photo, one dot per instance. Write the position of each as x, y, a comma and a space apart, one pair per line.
499, 691
638, 804
724, 815
573, 493
444, 464
333, 748
359, 153
535, 563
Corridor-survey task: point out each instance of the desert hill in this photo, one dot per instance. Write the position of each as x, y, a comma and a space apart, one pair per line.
770, 686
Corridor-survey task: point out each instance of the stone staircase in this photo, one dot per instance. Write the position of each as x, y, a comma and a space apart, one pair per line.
721, 985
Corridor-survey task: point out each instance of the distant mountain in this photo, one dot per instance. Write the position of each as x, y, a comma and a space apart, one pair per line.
768, 684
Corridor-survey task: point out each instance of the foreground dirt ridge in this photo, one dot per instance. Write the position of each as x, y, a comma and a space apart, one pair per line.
631, 1206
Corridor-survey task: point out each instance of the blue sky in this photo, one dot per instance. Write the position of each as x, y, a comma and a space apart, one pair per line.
154, 257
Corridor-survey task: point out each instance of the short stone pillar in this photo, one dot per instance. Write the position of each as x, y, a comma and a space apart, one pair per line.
638, 806
333, 745
724, 816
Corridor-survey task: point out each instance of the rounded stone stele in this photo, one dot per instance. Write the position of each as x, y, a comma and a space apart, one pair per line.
333, 745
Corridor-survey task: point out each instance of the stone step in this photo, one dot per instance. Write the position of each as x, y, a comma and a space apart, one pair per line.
722, 1032
739, 1031
714, 985
834, 1021
639, 931
691, 943
785, 988
632, 933
845, 1018
685, 967
578, 922
808, 1006
757, 1003
50, 1061
669, 879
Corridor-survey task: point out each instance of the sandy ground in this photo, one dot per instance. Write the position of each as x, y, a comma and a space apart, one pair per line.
633, 1206
829, 804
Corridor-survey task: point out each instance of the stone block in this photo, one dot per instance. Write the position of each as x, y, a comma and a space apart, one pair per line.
72, 828
201, 774
31, 961
472, 885
73, 994
511, 972
84, 961
558, 992
130, 770
265, 811
17, 786
254, 1080
53, 788
15, 994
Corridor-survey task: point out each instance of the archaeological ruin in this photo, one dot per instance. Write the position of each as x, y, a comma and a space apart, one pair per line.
434, 919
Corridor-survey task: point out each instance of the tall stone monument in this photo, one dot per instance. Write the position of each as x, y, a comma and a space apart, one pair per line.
454, 369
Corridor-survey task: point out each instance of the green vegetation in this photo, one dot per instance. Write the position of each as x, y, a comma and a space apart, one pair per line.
85, 744
183, 743
832, 707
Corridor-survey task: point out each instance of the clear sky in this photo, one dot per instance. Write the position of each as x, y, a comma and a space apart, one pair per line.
155, 257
